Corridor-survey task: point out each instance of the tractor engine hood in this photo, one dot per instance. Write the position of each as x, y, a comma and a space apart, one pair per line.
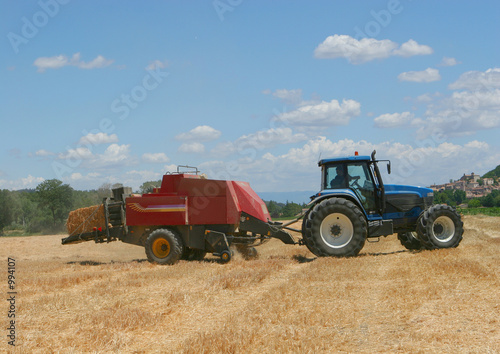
400, 189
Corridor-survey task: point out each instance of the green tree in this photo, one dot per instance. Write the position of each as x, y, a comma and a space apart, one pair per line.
474, 203
459, 196
291, 209
148, 187
5, 208
274, 209
56, 197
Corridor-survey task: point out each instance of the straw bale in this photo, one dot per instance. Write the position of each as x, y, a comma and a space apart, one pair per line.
80, 220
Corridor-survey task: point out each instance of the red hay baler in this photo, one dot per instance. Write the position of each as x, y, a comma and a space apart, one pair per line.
185, 218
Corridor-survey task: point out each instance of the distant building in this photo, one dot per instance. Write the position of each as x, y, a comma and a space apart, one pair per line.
488, 181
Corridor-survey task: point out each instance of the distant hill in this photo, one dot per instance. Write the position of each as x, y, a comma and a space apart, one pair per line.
282, 197
493, 173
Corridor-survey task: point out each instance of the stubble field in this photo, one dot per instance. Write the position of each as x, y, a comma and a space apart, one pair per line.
108, 298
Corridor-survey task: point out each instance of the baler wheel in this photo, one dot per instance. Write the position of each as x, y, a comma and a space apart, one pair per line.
191, 254
225, 256
163, 247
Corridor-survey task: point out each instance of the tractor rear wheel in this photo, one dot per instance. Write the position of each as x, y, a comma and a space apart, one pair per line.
163, 247
335, 227
410, 241
440, 226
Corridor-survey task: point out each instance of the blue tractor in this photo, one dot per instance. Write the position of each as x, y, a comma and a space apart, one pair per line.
354, 204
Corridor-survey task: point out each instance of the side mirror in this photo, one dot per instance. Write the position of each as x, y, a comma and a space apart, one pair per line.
389, 167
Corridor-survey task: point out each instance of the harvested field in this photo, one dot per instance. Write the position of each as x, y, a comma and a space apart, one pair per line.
88, 297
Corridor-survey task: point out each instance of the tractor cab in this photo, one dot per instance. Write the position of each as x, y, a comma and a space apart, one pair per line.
356, 177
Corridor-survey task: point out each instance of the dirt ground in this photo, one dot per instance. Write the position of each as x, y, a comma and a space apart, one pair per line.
107, 298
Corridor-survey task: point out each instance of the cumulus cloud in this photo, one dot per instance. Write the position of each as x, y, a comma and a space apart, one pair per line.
192, 148
323, 114
21, 183
112, 156
293, 97
427, 75
477, 80
59, 61
159, 157
409, 162
201, 133
449, 61
462, 113
263, 139
44, 153
394, 120
98, 138
366, 49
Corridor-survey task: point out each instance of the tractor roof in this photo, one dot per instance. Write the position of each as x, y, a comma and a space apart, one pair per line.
344, 159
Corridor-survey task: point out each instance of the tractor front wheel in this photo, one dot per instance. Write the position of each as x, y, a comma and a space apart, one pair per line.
440, 226
335, 227
163, 247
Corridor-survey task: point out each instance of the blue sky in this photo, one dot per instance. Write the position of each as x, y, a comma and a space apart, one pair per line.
121, 92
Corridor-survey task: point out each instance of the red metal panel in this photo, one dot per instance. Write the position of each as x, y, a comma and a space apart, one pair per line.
156, 210
250, 202
207, 210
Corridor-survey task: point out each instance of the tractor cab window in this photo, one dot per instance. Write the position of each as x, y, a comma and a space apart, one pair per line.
335, 177
360, 181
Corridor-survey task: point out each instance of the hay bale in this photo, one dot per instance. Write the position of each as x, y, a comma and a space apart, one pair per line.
85, 219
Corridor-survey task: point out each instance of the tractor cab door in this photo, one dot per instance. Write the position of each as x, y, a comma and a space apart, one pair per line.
361, 182
355, 176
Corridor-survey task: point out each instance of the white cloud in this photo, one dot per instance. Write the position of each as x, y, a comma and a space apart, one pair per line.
201, 133
477, 80
159, 157
393, 120
323, 114
293, 97
412, 48
192, 148
29, 182
57, 62
427, 75
44, 153
113, 155
462, 113
98, 138
409, 163
366, 49
449, 61
263, 139
157, 64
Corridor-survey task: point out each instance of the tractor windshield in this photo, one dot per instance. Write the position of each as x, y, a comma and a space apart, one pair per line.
355, 176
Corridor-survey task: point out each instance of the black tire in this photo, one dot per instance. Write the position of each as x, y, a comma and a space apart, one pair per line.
192, 254
225, 256
440, 226
410, 241
335, 227
163, 247
306, 224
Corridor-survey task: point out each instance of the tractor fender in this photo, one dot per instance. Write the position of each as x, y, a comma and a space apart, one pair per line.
345, 195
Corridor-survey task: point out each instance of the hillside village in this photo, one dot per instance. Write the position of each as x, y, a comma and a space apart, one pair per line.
473, 185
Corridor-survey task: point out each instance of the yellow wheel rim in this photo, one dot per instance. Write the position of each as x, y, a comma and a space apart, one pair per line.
225, 256
161, 248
